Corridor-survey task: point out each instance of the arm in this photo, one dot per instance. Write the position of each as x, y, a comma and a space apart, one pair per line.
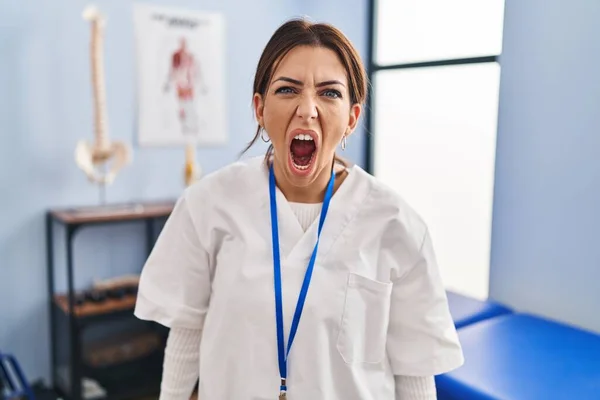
415, 388
422, 340
174, 291
175, 283
180, 368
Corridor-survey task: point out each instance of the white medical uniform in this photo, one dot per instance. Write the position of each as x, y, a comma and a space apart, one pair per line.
376, 306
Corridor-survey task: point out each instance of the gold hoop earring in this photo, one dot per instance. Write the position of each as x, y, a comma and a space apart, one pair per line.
262, 135
344, 143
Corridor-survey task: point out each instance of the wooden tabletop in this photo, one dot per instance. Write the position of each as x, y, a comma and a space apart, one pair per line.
113, 212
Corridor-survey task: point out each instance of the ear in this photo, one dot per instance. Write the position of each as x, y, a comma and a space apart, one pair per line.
259, 105
355, 112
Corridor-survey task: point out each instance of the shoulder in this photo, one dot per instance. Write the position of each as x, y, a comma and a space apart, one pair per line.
398, 222
232, 181
217, 196
388, 203
236, 176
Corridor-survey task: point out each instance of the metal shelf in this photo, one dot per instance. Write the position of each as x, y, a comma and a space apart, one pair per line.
66, 327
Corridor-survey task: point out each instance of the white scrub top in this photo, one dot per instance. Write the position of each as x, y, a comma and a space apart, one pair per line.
376, 306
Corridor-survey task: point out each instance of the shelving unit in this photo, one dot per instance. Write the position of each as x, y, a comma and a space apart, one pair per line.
71, 317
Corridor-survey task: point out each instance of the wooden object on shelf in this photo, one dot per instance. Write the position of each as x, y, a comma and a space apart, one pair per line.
119, 282
113, 213
121, 349
90, 309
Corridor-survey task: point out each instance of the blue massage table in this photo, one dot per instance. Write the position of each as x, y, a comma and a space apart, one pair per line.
466, 310
523, 357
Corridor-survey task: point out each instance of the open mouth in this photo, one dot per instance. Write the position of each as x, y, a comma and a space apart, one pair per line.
302, 151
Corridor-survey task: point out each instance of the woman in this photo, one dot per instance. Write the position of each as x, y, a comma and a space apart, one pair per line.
295, 274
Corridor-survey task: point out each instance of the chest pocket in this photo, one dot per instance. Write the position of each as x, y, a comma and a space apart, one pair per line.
364, 323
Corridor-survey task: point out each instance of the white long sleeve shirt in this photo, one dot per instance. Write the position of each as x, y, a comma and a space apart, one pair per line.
376, 309
180, 371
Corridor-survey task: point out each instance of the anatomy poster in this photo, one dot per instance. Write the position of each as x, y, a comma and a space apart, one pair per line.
180, 76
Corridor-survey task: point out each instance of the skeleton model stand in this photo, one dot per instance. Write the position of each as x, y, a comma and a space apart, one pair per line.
102, 159
191, 170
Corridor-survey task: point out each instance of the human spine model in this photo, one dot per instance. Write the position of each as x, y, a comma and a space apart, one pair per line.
114, 154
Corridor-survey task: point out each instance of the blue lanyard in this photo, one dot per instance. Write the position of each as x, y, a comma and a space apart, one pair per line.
277, 271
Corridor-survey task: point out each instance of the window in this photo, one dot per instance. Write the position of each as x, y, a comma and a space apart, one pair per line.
410, 31
433, 116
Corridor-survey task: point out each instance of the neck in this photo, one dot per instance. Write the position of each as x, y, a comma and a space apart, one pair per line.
313, 193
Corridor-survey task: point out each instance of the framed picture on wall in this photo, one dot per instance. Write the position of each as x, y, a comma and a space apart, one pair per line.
180, 76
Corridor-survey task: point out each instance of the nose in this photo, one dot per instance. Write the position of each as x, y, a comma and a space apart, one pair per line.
307, 108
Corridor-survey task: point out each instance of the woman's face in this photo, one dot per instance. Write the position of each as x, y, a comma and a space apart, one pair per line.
306, 112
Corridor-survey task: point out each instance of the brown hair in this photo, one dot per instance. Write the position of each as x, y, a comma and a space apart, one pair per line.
300, 32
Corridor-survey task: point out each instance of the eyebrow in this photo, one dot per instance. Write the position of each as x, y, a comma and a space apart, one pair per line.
300, 83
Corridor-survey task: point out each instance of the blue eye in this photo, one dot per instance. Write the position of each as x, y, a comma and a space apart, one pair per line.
285, 90
334, 94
